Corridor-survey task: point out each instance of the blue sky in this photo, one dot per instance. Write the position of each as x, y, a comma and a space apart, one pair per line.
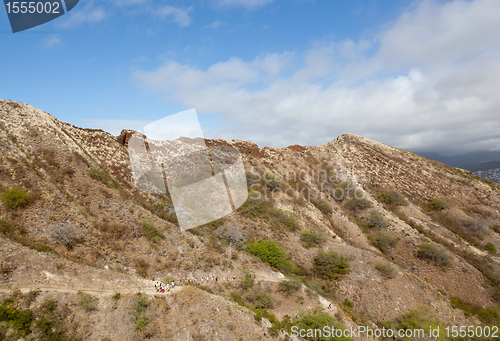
421, 75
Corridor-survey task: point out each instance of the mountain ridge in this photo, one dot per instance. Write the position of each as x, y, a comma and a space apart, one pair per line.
81, 188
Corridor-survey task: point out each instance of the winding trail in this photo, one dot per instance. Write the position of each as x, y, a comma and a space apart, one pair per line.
103, 291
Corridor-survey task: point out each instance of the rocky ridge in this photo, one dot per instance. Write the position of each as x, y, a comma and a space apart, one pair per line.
79, 180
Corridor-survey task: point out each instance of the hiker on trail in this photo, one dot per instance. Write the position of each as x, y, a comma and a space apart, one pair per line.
207, 279
157, 286
297, 316
330, 306
217, 279
173, 284
234, 277
201, 279
228, 278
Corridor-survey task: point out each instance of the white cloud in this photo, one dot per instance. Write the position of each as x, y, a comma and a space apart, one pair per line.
433, 32
215, 24
179, 15
245, 3
431, 84
84, 15
123, 3
51, 41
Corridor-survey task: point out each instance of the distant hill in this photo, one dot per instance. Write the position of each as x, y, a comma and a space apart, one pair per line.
463, 159
482, 166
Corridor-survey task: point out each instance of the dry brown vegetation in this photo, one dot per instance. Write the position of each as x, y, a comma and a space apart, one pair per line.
71, 218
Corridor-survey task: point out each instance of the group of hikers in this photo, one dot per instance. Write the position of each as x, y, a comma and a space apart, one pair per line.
160, 287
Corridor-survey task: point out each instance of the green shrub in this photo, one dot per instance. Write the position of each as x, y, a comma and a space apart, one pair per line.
116, 296
289, 220
288, 287
330, 265
272, 254
383, 241
489, 315
247, 281
348, 303
252, 178
138, 312
329, 172
17, 320
271, 181
437, 205
141, 323
140, 304
325, 207
15, 198
101, 175
255, 206
474, 226
43, 323
41, 248
355, 204
260, 299
263, 313
316, 318
386, 269
391, 197
86, 301
434, 253
417, 321
343, 190
312, 238
490, 248
237, 298
151, 232
6, 227
376, 220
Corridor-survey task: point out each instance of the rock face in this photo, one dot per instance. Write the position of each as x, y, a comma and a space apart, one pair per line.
373, 204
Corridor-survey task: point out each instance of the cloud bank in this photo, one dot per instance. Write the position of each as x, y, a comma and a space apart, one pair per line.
428, 81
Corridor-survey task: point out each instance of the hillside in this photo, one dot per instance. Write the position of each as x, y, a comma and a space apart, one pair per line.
387, 237
482, 166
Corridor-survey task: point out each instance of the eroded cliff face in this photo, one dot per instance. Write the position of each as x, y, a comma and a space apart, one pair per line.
364, 200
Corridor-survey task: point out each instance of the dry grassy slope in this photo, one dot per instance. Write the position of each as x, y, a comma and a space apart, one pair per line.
26, 134
373, 166
187, 313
